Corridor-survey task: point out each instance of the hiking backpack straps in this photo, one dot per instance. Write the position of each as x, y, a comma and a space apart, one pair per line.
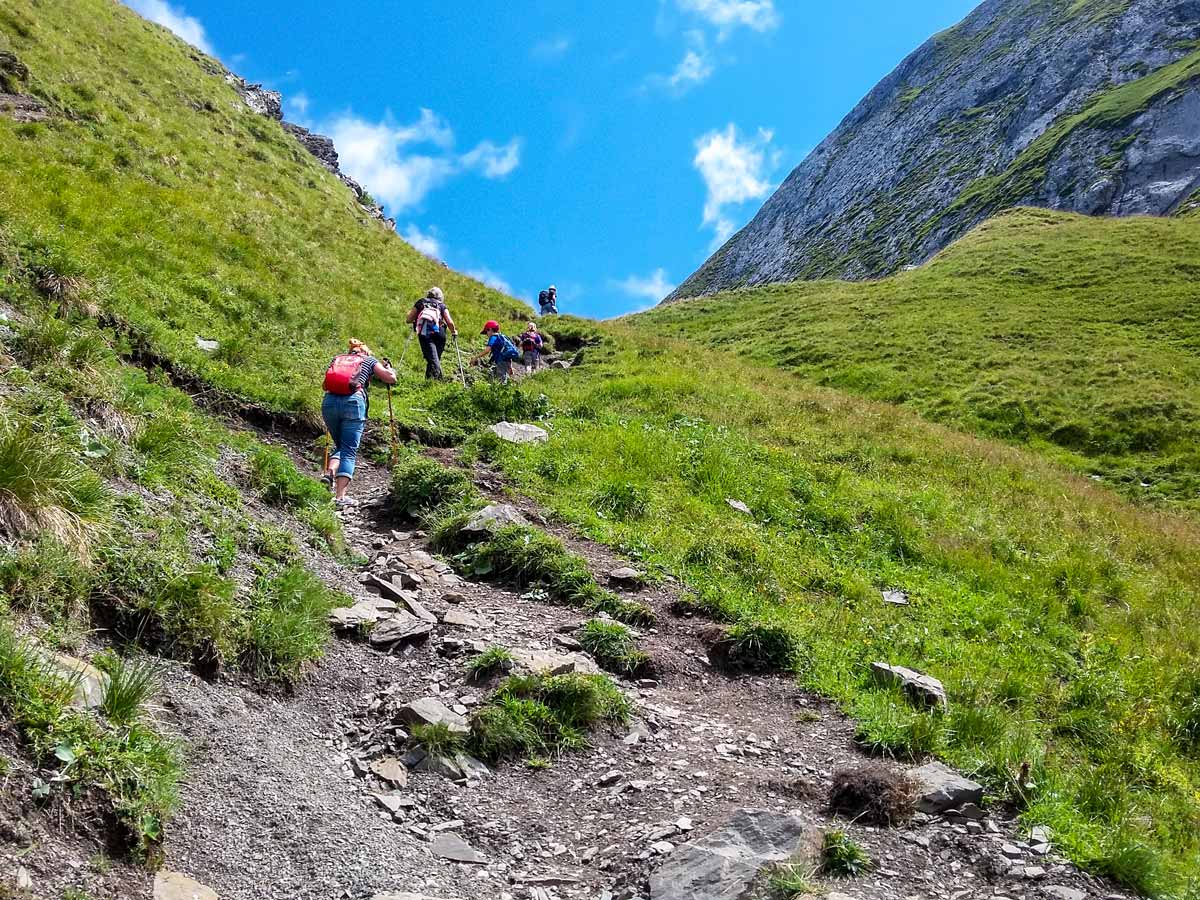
342, 374
509, 351
429, 319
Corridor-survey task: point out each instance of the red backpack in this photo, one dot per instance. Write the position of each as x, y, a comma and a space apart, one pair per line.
341, 374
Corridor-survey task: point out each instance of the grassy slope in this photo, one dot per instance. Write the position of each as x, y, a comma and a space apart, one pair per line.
1078, 336
195, 216
1060, 618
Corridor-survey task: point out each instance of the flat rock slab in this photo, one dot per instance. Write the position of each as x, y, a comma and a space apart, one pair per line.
1061, 892
493, 518
723, 865
391, 770
90, 683
626, 577
174, 886
941, 788
402, 627
361, 614
739, 506
548, 662
519, 434
921, 689
431, 711
459, 618
449, 845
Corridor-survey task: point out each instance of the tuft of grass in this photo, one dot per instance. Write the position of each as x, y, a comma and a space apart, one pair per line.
134, 770
534, 716
420, 484
288, 623
437, 739
131, 682
790, 881
873, 794
491, 661
613, 647
756, 646
842, 856
44, 488
527, 557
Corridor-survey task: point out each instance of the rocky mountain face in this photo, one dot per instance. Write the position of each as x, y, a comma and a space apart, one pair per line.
270, 104
1091, 106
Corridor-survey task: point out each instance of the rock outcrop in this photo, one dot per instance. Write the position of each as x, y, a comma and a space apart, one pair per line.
1091, 106
270, 104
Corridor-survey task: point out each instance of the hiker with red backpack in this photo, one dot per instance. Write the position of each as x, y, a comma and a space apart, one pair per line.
344, 409
503, 352
431, 319
531, 347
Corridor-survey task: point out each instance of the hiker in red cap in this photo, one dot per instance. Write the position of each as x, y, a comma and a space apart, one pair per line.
502, 350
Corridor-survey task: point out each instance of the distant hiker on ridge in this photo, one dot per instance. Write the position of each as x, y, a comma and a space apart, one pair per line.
531, 347
430, 318
502, 351
344, 409
548, 301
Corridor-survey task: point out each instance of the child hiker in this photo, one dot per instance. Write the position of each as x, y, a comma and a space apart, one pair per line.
531, 347
501, 349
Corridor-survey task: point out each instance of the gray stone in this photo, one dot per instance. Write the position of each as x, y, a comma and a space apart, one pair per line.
924, 690
895, 598
520, 434
262, 101
359, 615
941, 788
472, 767
724, 864
1062, 892
1040, 834
448, 845
206, 345
174, 886
394, 802
626, 577
89, 682
457, 617
739, 506
437, 764
566, 642
403, 895
419, 610
548, 662
402, 628
493, 518
391, 770
431, 711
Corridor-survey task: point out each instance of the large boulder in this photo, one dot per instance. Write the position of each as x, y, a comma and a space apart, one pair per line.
940, 788
548, 662
431, 711
491, 519
89, 682
921, 689
519, 434
724, 865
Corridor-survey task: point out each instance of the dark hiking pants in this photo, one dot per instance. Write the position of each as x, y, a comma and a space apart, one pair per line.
432, 348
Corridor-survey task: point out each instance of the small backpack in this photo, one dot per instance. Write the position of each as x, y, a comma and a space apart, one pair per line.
509, 351
342, 373
529, 341
429, 320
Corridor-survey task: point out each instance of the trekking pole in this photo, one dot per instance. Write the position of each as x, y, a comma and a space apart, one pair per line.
461, 374
392, 425
403, 353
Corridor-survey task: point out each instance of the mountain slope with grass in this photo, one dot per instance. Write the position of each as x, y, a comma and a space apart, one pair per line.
146, 510
1076, 336
1088, 106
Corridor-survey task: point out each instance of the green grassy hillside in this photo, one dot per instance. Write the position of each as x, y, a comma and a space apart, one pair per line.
153, 208
1080, 337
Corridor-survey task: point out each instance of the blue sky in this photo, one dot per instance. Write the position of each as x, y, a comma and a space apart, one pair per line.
605, 147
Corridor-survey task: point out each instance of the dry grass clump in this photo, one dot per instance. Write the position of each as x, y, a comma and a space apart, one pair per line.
873, 794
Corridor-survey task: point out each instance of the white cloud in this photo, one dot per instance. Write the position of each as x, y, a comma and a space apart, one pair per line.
492, 161
734, 171
424, 242
695, 68
758, 15
401, 164
174, 18
551, 48
491, 279
297, 105
652, 287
